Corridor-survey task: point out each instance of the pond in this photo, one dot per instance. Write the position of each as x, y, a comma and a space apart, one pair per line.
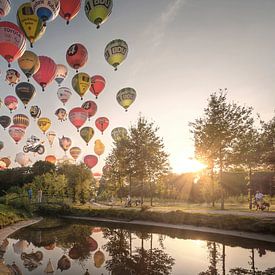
74, 247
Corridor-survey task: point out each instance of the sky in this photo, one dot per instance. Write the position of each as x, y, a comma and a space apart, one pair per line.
180, 51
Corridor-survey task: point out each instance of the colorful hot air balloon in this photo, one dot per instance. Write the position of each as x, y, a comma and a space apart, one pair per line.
25, 91
61, 114
78, 117
75, 152
64, 94
35, 111
61, 73
5, 121
99, 258
98, 11
30, 23
119, 133
1, 145
115, 52
77, 56
1, 103
46, 73
44, 124
11, 102
5, 7
99, 147
51, 136
125, 97
64, 262
81, 83
12, 77
90, 161
12, 41
7, 161
102, 123
21, 120
23, 159
46, 10
97, 84
16, 132
87, 133
29, 63
51, 158
69, 9
90, 107
65, 143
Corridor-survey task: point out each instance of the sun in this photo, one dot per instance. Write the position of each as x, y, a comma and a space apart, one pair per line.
183, 164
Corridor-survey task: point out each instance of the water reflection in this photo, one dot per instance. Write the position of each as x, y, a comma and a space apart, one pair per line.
89, 248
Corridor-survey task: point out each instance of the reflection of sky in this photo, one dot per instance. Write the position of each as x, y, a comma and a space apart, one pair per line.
179, 52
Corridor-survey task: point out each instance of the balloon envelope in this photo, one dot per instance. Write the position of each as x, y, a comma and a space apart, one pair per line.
77, 56
91, 107
51, 136
75, 152
61, 114
44, 124
5, 7
25, 91
16, 133
99, 147
65, 143
78, 116
1, 145
51, 159
125, 97
87, 133
64, 94
102, 123
12, 77
81, 83
7, 161
69, 9
97, 84
22, 158
21, 120
35, 111
5, 121
90, 161
11, 102
29, 63
119, 133
61, 73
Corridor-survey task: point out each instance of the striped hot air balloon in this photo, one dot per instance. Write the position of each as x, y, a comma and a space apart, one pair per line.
75, 152
21, 120
25, 91
29, 63
78, 117
16, 133
5, 7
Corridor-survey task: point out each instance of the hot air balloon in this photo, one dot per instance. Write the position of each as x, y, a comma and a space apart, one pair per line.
21, 120
87, 133
65, 143
64, 94
46, 73
7, 161
77, 56
29, 63
92, 244
115, 52
78, 117
5, 121
12, 41
99, 147
99, 258
75, 152
51, 136
23, 159
1, 103
81, 83
90, 107
102, 123
30, 23
44, 124
119, 133
125, 97
61, 73
2, 165
25, 91
5, 7
46, 10
90, 161
12, 77
11, 102
97, 84
69, 9
61, 114
16, 133
35, 111
1, 145
98, 11
51, 159
64, 262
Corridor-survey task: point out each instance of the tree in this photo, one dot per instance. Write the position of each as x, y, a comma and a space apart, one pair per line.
42, 167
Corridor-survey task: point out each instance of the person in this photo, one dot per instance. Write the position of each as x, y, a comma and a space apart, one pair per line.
30, 194
39, 195
259, 199
128, 201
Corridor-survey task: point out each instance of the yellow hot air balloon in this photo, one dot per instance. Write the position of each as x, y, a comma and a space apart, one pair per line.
81, 82
98, 11
125, 97
115, 52
75, 152
44, 124
99, 258
99, 147
29, 63
31, 24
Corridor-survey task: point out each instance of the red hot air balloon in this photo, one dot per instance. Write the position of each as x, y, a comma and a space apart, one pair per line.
69, 9
102, 123
46, 73
12, 41
97, 84
16, 132
90, 107
11, 102
78, 117
77, 56
90, 161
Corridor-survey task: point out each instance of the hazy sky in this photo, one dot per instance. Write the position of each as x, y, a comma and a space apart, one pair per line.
180, 51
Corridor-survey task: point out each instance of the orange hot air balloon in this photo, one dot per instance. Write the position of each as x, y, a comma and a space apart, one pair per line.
99, 258
77, 56
46, 73
78, 117
97, 84
51, 159
12, 41
90, 161
99, 147
69, 9
91, 107
11, 102
75, 152
16, 133
21, 120
102, 123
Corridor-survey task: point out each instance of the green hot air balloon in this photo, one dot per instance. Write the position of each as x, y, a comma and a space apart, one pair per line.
87, 133
119, 133
125, 97
25, 91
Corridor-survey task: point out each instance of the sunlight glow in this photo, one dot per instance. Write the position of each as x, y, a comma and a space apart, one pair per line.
183, 164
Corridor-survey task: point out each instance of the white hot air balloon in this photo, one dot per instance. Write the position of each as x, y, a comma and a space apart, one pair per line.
51, 136
22, 159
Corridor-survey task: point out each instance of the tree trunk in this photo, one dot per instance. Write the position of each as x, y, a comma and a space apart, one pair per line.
212, 186
151, 195
250, 187
142, 192
221, 180
223, 259
130, 185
